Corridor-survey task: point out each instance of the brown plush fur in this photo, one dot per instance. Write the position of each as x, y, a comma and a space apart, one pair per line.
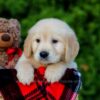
9, 38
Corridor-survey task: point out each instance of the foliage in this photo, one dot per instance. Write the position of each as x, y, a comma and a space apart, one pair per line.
82, 15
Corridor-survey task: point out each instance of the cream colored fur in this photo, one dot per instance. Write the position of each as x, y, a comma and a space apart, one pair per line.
61, 54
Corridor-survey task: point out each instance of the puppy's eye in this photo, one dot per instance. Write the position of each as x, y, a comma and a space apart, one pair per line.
54, 41
38, 40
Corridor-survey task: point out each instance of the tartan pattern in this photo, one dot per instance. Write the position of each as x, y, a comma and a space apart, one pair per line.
40, 89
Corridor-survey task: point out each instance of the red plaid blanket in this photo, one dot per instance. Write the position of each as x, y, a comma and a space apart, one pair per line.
40, 89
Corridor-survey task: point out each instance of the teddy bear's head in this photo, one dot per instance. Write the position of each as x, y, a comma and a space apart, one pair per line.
9, 33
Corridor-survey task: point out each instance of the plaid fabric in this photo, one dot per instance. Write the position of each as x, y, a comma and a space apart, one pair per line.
40, 89
12, 52
13, 56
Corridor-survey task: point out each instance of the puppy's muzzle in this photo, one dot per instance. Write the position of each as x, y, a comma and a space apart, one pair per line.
44, 54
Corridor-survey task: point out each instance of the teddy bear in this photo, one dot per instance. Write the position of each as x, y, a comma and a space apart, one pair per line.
11, 89
9, 42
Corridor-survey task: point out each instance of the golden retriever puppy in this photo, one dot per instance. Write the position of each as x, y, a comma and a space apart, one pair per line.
52, 43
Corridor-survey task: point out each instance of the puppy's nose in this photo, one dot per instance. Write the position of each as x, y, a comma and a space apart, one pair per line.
5, 37
44, 54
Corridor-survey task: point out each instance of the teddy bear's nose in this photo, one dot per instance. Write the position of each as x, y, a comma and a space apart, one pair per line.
5, 37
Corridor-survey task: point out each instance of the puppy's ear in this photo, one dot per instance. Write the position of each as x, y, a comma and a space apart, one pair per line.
28, 46
72, 48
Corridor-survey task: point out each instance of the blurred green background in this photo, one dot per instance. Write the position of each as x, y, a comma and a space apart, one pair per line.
83, 16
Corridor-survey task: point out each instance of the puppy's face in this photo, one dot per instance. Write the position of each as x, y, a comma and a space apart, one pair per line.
48, 47
51, 41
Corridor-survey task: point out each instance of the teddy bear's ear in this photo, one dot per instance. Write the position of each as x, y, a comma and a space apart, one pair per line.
15, 24
14, 29
4, 23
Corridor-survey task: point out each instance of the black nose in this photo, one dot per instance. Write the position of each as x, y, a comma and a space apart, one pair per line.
5, 37
44, 54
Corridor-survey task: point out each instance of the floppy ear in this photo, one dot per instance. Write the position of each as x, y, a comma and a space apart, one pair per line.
28, 46
72, 48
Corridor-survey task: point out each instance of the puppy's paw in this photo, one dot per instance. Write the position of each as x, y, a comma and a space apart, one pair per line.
25, 73
53, 74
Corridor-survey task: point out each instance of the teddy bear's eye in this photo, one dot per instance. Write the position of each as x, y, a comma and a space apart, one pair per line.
54, 41
38, 40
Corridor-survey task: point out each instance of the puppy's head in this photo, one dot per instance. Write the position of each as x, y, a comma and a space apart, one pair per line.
51, 41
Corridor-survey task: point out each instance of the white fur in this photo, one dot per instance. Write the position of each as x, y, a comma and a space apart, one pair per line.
52, 28
53, 74
25, 71
53, 23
